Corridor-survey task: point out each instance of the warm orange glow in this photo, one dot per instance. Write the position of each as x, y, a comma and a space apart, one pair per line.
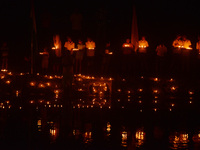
50, 77
39, 122
2, 77
17, 93
142, 46
53, 132
56, 91
140, 101
173, 88
31, 101
4, 70
127, 45
110, 53
119, 90
140, 90
172, 104
139, 135
190, 92
43, 53
41, 85
75, 49
155, 79
87, 137
108, 127
124, 138
155, 91
8, 82
32, 83
80, 89
184, 138
48, 84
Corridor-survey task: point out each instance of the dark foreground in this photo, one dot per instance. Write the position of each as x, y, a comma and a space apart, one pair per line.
36, 112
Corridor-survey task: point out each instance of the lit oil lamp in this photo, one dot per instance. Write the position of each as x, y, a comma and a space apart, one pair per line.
173, 88
191, 92
8, 82
32, 83
155, 79
41, 85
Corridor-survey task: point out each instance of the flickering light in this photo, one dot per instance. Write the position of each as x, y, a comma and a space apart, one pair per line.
191, 92
10, 73
32, 83
140, 90
17, 93
119, 90
173, 88
139, 135
8, 82
140, 101
155, 79
124, 139
48, 84
53, 132
155, 91
184, 138
172, 104
41, 85
80, 89
4, 70
108, 127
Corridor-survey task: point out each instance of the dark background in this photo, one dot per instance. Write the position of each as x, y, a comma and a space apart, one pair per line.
160, 21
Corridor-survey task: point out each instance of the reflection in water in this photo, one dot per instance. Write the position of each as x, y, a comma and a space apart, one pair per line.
108, 128
124, 138
140, 137
87, 137
178, 140
39, 125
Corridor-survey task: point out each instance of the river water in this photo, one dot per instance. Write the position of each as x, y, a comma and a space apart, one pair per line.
98, 113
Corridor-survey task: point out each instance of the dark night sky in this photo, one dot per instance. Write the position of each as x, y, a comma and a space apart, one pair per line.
157, 20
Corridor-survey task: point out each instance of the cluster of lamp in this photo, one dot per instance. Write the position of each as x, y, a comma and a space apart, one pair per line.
155, 93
